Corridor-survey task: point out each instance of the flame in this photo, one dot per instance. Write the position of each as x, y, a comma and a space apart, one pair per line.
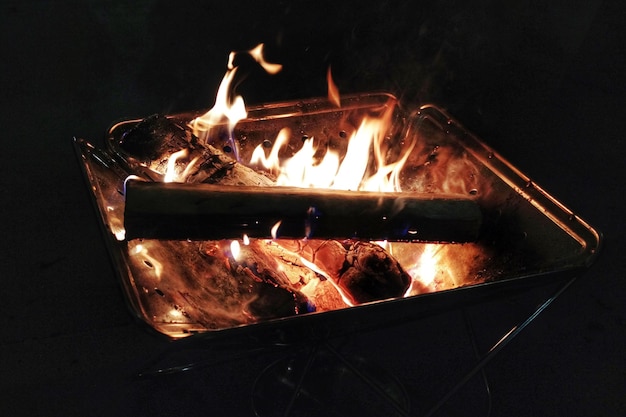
333, 91
235, 249
229, 107
427, 266
274, 230
120, 234
272, 161
257, 54
226, 107
332, 171
170, 171
441, 266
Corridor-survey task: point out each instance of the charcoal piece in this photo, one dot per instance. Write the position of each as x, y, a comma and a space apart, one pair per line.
152, 141
275, 302
155, 136
371, 274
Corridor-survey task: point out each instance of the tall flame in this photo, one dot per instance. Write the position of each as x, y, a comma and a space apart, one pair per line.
349, 172
426, 269
229, 107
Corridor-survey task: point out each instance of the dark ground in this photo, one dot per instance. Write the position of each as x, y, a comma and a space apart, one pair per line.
543, 83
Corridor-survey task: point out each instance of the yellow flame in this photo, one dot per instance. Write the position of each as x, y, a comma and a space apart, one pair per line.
274, 230
246, 239
427, 266
352, 169
349, 172
227, 106
235, 249
272, 161
170, 172
120, 234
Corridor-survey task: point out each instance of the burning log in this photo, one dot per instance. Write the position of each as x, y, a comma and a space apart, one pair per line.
204, 211
208, 285
269, 262
362, 271
154, 140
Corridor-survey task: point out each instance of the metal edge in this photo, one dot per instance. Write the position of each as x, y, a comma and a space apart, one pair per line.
590, 238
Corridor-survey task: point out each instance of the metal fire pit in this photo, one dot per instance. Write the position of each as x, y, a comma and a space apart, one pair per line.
527, 237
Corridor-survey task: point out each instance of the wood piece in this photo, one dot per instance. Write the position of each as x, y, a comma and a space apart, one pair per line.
362, 271
288, 263
203, 211
156, 138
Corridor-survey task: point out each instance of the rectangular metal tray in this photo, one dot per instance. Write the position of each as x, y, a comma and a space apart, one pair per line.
528, 237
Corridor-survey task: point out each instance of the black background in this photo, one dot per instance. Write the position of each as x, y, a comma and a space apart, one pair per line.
542, 82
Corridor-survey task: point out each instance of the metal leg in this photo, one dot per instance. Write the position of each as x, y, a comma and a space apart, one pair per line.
496, 348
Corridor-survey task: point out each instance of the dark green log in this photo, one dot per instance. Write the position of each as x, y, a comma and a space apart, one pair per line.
210, 212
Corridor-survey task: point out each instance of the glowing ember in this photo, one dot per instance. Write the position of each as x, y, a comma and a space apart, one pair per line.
141, 252
320, 271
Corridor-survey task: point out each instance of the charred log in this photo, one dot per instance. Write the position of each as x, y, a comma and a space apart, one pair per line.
157, 136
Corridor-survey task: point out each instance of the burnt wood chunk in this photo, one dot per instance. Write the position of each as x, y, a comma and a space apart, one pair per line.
152, 142
156, 136
363, 271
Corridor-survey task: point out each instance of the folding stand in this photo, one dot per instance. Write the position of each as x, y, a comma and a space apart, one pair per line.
316, 377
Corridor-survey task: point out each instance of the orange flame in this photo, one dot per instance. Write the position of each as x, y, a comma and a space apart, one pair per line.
333, 91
